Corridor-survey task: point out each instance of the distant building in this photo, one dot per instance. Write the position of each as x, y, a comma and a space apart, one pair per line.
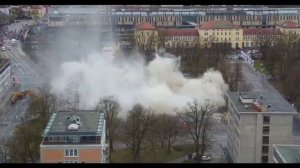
146, 37
253, 37
4, 9
286, 153
256, 121
289, 27
179, 38
220, 32
75, 137
5, 76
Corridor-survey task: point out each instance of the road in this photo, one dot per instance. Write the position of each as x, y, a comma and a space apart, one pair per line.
25, 71
17, 26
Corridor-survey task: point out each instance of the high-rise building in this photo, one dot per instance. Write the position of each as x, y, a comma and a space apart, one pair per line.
75, 137
256, 121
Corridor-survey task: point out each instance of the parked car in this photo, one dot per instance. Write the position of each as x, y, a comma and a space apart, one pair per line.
3, 48
206, 157
8, 47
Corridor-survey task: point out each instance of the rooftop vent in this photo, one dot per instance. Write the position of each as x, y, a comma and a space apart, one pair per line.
73, 127
269, 106
74, 119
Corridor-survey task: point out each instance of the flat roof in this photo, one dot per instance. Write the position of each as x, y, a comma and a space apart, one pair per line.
288, 153
91, 123
278, 103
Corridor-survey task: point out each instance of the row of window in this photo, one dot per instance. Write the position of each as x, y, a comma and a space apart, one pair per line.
147, 18
249, 17
258, 37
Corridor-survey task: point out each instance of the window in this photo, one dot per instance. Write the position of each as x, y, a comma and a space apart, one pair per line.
71, 152
266, 130
265, 140
71, 161
265, 149
266, 120
229, 33
264, 159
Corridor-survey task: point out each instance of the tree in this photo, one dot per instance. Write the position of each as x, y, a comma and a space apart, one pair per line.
197, 117
110, 107
4, 150
135, 128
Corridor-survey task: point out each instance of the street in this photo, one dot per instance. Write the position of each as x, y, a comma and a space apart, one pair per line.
25, 72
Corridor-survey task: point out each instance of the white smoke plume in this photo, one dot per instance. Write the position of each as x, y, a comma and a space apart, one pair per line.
159, 85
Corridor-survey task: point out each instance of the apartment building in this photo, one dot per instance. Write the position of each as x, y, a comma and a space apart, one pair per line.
254, 37
256, 121
5, 76
286, 153
75, 137
179, 38
146, 37
220, 32
289, 27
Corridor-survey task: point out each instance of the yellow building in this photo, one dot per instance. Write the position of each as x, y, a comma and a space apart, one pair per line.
179, 38
253, 37
220, 32
146, 37
289, 27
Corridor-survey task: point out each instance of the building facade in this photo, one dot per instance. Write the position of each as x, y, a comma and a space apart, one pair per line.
146, 37
75, 137
256, 121
179, 38
289, 27
220, 32
5, 76
286, 153
254, 37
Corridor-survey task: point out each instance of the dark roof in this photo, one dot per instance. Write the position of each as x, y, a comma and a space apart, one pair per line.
278, 103
289, 24
91, 123
288, 153
145, 26
3, 63
220, 24
262, 31
179, 32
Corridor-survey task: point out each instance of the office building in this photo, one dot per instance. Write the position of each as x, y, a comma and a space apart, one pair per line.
75, 137
256, 121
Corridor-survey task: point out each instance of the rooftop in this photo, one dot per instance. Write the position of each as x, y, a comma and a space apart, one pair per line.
261, 31
277, 103
219, 25
91, 123
179, 32
288, 153
289, 24
145, 26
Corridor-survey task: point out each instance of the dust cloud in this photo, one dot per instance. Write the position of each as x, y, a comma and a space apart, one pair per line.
158, 84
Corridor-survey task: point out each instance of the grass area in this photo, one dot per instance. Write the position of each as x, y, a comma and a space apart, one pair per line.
159, 156
258, 64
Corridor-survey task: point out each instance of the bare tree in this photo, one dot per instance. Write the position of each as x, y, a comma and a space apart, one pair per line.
4, 151
110, 107
136, 126
197, 117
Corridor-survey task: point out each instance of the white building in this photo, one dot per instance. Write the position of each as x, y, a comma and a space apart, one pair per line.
256, 121
5, 78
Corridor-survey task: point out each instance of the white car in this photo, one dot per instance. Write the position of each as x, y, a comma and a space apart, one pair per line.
8, 47
3, 48
206, 157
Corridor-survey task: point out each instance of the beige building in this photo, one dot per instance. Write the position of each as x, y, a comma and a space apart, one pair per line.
256, 121
253, 37
75, 137
146, 37
289, 27
179, 38
220, 32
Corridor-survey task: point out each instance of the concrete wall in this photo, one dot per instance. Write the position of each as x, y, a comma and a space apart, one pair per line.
56, 153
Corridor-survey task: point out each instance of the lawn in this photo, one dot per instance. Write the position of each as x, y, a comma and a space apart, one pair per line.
258, 64
159, 156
